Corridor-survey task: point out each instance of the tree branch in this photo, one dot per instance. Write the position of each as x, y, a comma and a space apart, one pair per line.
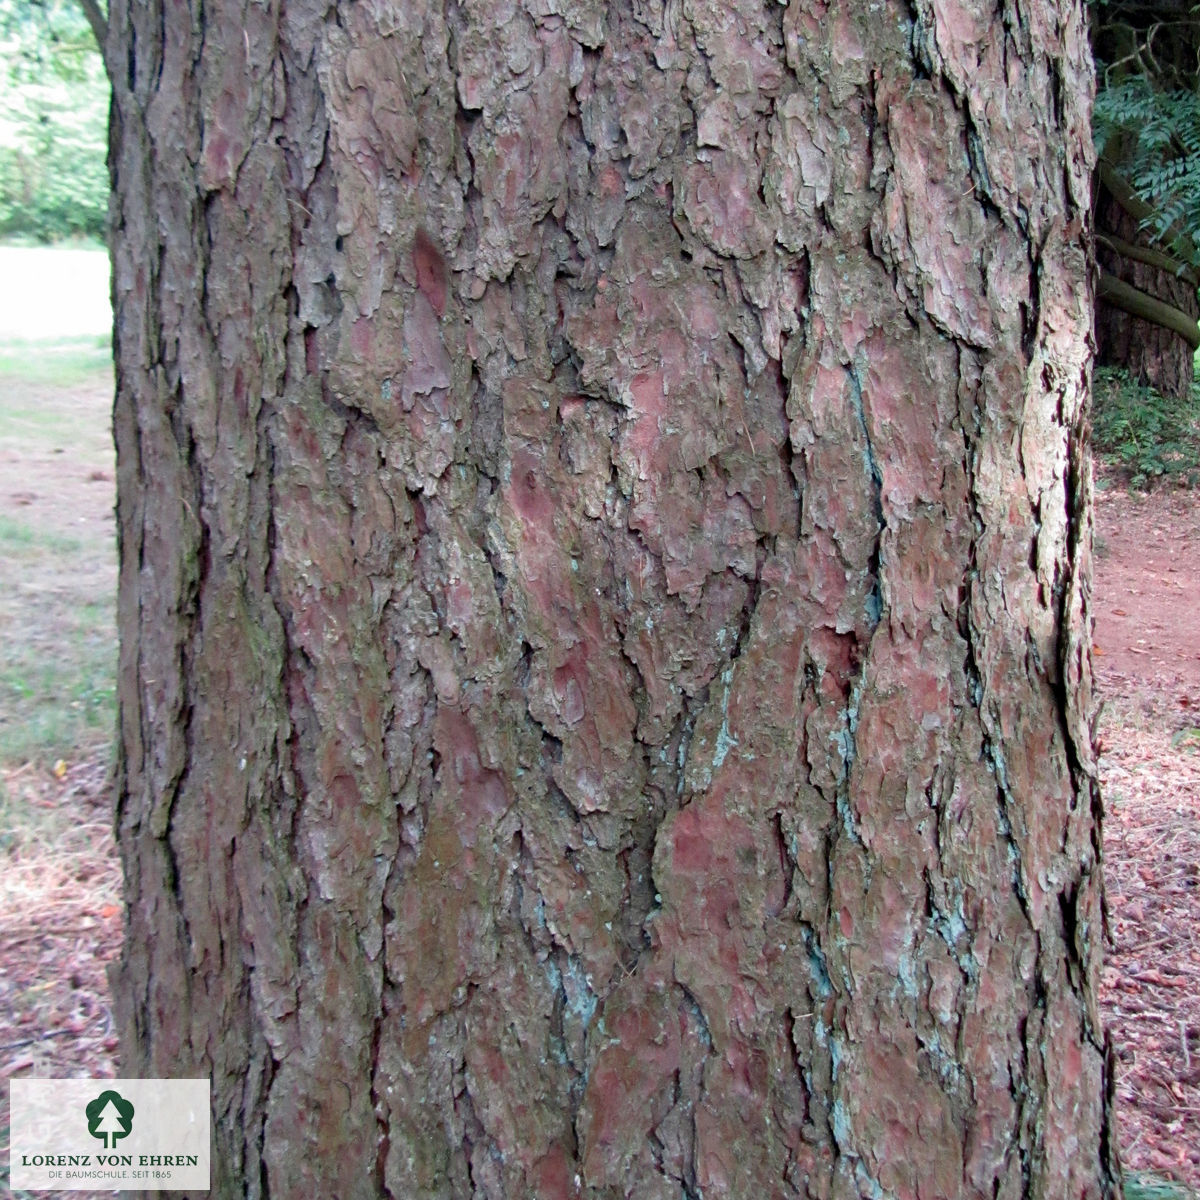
95, 18
1138, 304
1149, 256
1123, 193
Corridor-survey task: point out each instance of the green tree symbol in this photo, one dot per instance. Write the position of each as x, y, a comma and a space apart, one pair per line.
109, 1117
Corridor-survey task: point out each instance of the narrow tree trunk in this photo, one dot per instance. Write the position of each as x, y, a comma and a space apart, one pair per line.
605, 517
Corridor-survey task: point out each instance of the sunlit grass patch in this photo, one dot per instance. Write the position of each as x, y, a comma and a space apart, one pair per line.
57, 362
57, 551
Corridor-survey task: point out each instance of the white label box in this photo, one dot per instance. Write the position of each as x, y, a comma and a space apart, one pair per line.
73, 1135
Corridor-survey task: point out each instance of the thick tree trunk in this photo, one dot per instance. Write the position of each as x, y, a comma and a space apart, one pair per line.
605, 518
1153, 354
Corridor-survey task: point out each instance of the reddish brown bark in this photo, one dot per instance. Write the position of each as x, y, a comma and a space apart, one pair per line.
605, 521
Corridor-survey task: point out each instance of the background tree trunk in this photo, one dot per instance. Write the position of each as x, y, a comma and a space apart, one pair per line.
605, 516
1150, 353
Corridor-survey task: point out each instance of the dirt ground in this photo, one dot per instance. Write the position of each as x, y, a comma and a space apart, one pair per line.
1147, 568
1147, 657
55, 1011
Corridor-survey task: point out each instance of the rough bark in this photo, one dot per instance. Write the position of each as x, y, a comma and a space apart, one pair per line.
605, 519
1154, 351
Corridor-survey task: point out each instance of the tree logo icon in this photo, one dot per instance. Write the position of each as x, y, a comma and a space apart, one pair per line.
109, 1117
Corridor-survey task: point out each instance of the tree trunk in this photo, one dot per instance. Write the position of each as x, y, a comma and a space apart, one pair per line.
1152, 353
605, 524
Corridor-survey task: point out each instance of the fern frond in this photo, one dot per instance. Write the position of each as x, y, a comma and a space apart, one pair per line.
1157, 132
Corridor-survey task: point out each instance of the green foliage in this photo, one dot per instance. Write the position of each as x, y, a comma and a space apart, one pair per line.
1154, 134
44, 36
1188, 738
1143, 433
53, 123
1146, 1187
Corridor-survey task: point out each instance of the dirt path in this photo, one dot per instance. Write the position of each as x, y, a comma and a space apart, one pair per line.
1147, 570
1147, 656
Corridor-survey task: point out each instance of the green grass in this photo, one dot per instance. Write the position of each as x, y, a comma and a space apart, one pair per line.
18, 537
1148, 1187
27, 241
1147, 436
61, 362
57, 552
57, 692
1188, 738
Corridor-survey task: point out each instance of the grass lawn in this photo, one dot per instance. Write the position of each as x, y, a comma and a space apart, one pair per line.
57, 530
57, 551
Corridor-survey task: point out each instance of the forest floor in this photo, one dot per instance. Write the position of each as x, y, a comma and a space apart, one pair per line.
60, 907
1147, 659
